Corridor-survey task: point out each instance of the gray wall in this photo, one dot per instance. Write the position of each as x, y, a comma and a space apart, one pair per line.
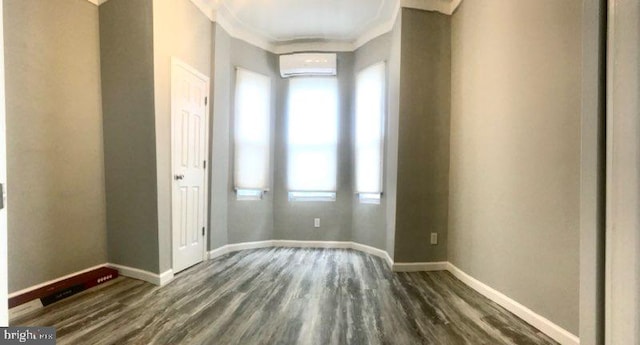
294, 220
182, 31
274, 217
391, 148
515, 151
54, 140
126, 51
592, 161
369, 221
251, 220
423, 145
219, 137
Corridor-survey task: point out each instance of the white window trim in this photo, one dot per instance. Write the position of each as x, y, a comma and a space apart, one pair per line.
244, 190
367, 197
370, 198
312, 196
243, 194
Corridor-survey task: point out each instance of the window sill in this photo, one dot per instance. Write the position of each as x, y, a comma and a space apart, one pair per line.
312, 196
370, 198
249, 194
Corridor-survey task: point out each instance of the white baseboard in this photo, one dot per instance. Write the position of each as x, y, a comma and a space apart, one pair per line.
313, 244
547, 327
248, 245
229, 248
212, 254
419, 266
373, 251
166, 277
153, 278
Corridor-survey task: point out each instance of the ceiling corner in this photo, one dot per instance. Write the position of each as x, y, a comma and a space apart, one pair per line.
207, 7
378, 30
454, 5
443, 6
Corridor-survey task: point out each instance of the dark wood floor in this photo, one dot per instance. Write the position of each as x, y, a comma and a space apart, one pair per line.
286, 296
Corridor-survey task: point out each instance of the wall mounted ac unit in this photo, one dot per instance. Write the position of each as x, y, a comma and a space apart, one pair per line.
307, 64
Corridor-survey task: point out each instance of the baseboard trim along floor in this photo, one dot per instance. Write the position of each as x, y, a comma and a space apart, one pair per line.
229, 248
538, 321
153, 278
546, 326
419, 266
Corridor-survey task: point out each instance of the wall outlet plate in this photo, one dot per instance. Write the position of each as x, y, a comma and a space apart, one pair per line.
434, 238
316, 222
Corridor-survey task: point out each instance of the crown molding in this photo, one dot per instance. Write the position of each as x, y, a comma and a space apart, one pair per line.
378, 30
208, 8
447, 7
221, 15
97, 2
235, 30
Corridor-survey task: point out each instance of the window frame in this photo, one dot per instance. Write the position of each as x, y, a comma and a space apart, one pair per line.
367, 197
296, 194
251, 193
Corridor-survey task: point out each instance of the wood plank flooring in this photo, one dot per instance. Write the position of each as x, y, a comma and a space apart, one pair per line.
286, 296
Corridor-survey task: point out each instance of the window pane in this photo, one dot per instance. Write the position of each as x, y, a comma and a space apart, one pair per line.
312, 134
252, 130
370, 110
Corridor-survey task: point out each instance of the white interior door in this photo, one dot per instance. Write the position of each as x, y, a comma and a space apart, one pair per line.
189, 92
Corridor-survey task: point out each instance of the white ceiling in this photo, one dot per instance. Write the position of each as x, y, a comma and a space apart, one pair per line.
284, 26
288, 20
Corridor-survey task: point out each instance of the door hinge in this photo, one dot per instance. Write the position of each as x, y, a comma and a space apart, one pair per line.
203, 231
205, 100
204, 164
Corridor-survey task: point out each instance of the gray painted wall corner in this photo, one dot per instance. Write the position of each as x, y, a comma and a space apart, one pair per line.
423, 144
126, 51
391, 148
219, 149
54, 140
515, 154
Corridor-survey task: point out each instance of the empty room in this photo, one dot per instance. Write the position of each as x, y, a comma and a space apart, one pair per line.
320, 172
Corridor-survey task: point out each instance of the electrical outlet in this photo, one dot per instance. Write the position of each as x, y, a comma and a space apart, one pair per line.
434, 238
316, 222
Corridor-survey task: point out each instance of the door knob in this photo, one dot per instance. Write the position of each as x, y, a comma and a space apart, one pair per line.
178, 177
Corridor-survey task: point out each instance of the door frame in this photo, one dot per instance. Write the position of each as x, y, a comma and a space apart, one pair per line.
177, 63
622, 275
4, 275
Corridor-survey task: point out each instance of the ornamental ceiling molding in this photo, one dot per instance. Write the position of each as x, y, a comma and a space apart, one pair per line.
219, 13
